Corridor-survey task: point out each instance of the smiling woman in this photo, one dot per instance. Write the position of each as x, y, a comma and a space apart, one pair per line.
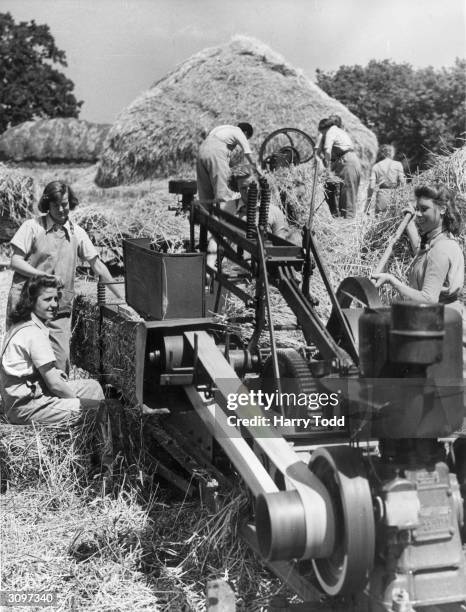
49, 246
33, 389
436, 273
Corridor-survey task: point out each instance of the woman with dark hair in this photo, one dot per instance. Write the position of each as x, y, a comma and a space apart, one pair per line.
336, 150
213, 161
436, 273
33, 389
49, 245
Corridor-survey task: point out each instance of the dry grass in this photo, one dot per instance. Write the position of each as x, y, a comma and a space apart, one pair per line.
141, 549
160, 132
53, 140
16, 200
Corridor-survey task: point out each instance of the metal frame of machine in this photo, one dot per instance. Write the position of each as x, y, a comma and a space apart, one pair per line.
376, 512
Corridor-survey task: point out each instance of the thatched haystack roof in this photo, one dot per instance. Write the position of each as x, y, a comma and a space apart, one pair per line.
244, 80
54, 140
16, 201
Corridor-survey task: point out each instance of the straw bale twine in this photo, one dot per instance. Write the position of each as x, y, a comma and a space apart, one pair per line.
54, 140
16, 201
244, 80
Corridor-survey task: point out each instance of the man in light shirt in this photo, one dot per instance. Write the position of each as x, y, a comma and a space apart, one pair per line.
386, 176
213, 167
337, 152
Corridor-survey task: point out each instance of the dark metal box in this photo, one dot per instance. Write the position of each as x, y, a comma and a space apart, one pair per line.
163, 285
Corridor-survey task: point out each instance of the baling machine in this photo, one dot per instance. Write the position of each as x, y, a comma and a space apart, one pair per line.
351, 450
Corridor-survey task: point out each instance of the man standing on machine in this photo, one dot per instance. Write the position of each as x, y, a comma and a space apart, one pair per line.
213, 168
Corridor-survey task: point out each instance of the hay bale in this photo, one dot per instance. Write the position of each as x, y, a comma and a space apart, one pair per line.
85, 341
160, 132
106, 348
16, 201
54, 140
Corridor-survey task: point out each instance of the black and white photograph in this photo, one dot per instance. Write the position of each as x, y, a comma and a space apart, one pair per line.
232, 321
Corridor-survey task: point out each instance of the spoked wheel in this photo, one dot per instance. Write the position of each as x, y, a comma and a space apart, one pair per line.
286, 147
342, 472
295, 379
353, 295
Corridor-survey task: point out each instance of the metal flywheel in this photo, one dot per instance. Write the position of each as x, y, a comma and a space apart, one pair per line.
286, 147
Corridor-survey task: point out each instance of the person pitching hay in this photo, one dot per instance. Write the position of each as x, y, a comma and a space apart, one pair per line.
436, 273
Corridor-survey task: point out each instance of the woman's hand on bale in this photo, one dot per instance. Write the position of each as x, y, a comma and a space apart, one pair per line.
382, 278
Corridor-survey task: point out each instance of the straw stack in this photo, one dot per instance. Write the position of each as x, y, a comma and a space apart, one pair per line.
54, 140
244, 80
16, 201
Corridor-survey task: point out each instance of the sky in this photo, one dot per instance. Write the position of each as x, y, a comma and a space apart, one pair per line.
116, 49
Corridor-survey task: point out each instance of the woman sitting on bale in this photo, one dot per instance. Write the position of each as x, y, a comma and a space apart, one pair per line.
33, 389
436, 273
49, 245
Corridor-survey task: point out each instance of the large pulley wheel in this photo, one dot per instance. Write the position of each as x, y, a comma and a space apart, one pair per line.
295, 380
286, 147
353, 295
342, 472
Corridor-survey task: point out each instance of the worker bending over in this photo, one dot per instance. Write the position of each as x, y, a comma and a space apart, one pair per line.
213, 161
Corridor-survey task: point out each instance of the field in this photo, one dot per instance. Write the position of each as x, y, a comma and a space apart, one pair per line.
143, 547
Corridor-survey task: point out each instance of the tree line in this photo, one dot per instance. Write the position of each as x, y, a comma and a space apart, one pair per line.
418, 110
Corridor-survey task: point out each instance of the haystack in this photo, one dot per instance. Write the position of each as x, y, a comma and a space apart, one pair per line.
54, 140
16, 201
160, 132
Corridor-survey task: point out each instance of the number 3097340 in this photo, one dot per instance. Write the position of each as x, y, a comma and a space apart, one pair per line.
28, 598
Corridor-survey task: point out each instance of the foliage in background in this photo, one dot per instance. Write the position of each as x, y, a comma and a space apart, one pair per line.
30, 85
416, 109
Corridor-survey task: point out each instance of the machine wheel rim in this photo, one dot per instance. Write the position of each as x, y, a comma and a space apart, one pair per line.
354, 293
302, 154
346, 571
